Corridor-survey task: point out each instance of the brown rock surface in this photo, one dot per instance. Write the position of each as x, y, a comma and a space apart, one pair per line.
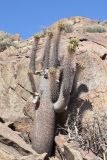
72, 154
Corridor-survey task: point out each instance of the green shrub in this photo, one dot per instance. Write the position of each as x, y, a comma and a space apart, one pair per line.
38, 35
68, 28
5, 41
93, 29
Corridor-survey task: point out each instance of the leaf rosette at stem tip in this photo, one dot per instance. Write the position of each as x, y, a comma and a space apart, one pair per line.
52, 70
80, 66
61, 25
38, 35
49, 33
73, 43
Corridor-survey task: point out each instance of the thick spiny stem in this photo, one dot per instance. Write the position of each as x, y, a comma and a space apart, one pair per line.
44, 123
47, 51
54, 71
53, 62
54, 82
69, 68
33, 55
44, 119
32, 82
79, 68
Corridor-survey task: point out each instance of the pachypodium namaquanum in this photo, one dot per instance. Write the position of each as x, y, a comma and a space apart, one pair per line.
56, 81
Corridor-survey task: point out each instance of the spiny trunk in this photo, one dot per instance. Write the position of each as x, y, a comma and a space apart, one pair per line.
33, 56
54, 84
54, 71
53, 62
69, 68
47, 52
44, 125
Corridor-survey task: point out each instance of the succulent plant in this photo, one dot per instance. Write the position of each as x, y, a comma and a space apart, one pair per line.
61, 25
38, 35
73, 43
54, 89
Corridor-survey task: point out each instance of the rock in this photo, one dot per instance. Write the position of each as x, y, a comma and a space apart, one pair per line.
89, 155
71, 153
8, 153
4, 155
16, 37
94, 100
29, 108
24, 126
60, 140
12, 136
74, 148
59, 149
36, 157
54, 158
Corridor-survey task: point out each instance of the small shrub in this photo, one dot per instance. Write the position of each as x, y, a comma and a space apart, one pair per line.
4, 36
93, 29
6, 41
91, 136
44, 30
47, 31
38, 35
68, 28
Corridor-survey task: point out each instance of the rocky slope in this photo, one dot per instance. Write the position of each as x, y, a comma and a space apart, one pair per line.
88, 103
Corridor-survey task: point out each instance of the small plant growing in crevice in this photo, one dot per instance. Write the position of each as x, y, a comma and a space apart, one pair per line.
91, 136
73, 43
52, 70
80, 66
